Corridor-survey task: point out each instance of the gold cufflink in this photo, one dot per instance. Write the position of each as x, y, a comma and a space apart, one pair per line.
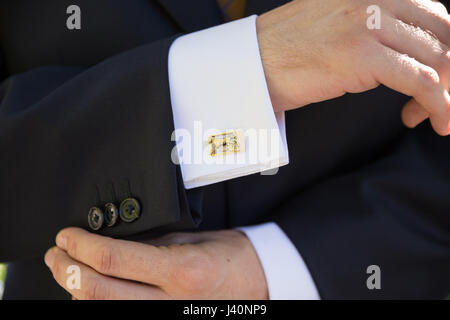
226, 143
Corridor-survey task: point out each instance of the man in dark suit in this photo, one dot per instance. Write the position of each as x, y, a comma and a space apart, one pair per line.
87, 114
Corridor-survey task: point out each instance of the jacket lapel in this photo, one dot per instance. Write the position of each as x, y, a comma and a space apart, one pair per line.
193, 15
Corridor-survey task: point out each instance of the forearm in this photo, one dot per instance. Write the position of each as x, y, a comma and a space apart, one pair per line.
81, 138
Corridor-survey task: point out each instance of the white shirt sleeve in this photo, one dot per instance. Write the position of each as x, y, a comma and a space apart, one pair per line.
287, 275
217, 86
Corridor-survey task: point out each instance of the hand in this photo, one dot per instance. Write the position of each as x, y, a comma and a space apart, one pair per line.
207, 265
316, 50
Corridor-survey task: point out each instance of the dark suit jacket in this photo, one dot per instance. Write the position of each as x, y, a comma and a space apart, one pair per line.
85, 118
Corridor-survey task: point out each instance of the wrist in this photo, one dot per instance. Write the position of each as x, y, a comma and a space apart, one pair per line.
254, 267
269, 56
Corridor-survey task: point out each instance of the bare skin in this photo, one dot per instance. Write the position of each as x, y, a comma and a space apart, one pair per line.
316, 50
207, 265
312, 50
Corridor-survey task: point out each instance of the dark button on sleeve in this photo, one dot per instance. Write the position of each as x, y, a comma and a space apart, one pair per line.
95, 218
111, 214
130, 210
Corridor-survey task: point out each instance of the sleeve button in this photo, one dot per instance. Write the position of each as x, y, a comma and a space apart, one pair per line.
95, 218
111, 214
130, 210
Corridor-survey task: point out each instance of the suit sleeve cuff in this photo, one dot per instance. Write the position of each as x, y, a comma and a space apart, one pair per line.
217, 86
287, 275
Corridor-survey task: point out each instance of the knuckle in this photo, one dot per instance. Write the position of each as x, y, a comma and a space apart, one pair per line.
428, 80
72, 247
104, 259
95, 290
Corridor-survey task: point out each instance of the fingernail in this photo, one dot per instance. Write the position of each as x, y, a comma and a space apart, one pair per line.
61, 241
49, 258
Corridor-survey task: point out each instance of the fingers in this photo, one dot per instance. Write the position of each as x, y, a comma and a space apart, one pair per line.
411, 77
413, 114
432, 57
419, 44
84, 283
427, 14
117, 258
424, 47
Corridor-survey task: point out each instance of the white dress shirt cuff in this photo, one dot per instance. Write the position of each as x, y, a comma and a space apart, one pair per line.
287, 275
218, 85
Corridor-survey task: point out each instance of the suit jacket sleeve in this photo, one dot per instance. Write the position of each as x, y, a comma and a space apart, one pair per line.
392, 214
74, 138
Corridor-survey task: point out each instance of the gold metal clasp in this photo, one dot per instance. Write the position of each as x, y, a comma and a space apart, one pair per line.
226, 143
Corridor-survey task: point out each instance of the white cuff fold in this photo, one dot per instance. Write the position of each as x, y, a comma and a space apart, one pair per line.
287, 275
217, 85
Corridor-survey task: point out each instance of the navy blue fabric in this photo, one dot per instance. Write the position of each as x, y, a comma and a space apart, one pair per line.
81, 111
